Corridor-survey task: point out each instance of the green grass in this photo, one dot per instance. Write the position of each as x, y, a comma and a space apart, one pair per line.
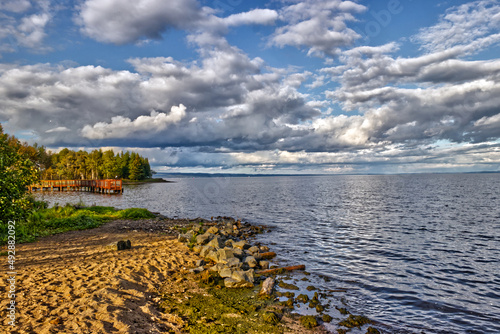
45, 221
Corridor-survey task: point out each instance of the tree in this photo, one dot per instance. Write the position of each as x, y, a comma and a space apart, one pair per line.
17, 172
136, 170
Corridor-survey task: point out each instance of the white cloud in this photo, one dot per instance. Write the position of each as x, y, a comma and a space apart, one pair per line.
123, 127
318, 25
461, 25
25, 29
121, 22
256, 16
16, 6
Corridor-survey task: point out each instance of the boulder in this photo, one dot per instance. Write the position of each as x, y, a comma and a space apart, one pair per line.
232, 283
228, 243
205, 250
216, 242
238, 253
264, 249
241, 275
217, 268
223, 255
267, 287
213, 256
233, 263
253, 249
200, 263
202, 239
197, 249
120, 245
241, 244
196, 270
213, 230
225, 272
264, 264
251, 261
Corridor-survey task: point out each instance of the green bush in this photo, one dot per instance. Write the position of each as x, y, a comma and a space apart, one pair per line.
135, 213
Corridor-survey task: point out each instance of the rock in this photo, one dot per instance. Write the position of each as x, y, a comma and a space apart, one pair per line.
253, 249
326, 318
225, 272
182, 238
212, 256
264, 249
202, 239
120, 245
213, 230
251, 261
238, 253
223, 255
233, 263
257, 256
200, 263
196, 270
216, 242
232, 283
267, 287
270, 318
197, 249
220, 255
308, 321
264, 264
241, 244
205, 250
302, 298
228, 243
229, 225
241, 275
218, 267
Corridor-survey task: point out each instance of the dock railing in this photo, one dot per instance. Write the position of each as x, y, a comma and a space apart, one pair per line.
106, 186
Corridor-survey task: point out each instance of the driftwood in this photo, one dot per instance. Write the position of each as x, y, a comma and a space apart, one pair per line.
277, 270
267, 287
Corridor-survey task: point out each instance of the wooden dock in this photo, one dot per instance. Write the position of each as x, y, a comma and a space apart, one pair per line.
108, 186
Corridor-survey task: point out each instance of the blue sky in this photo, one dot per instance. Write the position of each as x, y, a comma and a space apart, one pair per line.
315, 86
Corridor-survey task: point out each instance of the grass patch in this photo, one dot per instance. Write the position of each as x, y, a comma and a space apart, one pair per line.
44, 221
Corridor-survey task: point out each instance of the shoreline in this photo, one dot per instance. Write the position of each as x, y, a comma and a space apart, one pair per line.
152, 180
83, 286
72, 281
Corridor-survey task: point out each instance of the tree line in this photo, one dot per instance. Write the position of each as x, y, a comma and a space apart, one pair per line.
98, 164
80, 165
22, 164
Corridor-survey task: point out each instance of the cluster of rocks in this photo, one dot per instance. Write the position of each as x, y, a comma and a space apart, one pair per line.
225, 250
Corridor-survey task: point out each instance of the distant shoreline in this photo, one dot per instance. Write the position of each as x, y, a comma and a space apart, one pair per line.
153, 180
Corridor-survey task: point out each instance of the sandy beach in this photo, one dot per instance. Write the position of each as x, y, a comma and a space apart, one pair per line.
72, 283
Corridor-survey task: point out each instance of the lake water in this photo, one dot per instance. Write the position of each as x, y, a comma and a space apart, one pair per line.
417, 253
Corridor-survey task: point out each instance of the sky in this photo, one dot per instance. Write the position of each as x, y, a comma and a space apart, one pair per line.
279, 86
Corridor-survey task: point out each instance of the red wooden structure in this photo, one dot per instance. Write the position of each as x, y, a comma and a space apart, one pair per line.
108, 186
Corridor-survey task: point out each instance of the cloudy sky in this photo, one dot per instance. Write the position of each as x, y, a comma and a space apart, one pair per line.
278, 86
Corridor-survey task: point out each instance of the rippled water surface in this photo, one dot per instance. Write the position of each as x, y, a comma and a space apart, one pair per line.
418, 253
